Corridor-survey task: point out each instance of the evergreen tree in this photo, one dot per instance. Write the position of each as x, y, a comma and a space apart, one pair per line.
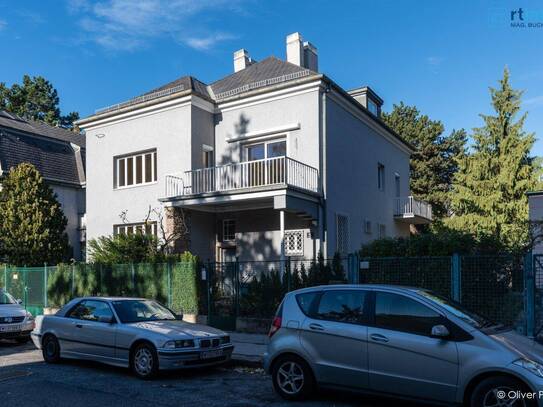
433, 164
36, 99
32, 224
489, 194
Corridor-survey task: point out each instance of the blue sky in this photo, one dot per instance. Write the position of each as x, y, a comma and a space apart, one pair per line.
439, 55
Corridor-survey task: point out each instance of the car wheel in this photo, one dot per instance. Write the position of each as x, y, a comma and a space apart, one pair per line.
23, 339
496, 391
292, 377
50, 349
144, 361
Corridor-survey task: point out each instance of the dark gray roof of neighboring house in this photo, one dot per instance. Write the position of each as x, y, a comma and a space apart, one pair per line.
37, 143
37, 127
268, 68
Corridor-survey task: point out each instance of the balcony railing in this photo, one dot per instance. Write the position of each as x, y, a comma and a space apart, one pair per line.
244, 175
410, 207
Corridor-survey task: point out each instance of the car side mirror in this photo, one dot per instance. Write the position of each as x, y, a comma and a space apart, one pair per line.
179, 316
19, 301
440, 331
106, 319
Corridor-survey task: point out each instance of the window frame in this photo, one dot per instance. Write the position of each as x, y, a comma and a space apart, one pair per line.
113, 314
133, 157
372, 107
381, 176
265, 143
223, 237
443, 319
367, 306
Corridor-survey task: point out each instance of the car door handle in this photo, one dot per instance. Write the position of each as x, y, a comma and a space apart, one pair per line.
78, 326
316, 327
378, 338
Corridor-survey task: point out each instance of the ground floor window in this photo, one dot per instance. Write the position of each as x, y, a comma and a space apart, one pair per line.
145, 228
228, 230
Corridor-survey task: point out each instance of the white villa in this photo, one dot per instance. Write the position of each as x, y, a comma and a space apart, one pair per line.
274, 152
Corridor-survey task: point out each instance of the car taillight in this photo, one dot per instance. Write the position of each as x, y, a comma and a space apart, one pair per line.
276, 324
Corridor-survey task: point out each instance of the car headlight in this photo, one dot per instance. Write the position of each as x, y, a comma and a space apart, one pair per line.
530, 365
183, 343
29, 316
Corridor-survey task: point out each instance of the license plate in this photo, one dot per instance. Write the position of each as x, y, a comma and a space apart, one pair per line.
211, 354
10, 328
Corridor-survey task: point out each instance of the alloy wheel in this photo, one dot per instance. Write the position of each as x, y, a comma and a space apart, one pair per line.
143, 361
290, 377
499, 397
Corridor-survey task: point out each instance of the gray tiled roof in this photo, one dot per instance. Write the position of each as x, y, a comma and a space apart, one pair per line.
268, 68
43, 146
37, 127
187, 82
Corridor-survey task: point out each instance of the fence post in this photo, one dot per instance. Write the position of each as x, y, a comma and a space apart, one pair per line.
237, 285
529, 288
45, 285
133, 276
208, 289
353, 268
73, 281
456, 278
5, 277
288, 271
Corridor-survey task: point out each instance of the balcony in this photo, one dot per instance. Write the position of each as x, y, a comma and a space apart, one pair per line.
411, 210
249, 176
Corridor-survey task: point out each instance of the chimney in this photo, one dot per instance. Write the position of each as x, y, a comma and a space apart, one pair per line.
241, 60
301, 53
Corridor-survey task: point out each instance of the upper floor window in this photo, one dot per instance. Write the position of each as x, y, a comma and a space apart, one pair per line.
144, 228
397, 184
381, 177
372, 107
266, 149
135, 169
207, 156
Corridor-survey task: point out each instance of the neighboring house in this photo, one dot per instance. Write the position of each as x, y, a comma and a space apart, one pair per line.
59, 155
535, 208
274, 152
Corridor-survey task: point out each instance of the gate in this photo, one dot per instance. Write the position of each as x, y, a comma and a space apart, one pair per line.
222, 295
27, 284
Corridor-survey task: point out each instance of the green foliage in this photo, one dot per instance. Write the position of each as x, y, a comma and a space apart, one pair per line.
186, 290
36, 99
32, 225
121, 249
437, 242
263, 294
433, 164
489, 193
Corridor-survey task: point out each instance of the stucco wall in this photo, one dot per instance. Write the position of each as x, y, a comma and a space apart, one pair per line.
353, 153
72, 200
168, 131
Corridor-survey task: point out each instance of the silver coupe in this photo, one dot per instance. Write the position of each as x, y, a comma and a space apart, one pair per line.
129, 332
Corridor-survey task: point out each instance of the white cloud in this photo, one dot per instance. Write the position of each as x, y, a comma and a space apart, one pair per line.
128, 24
3, 24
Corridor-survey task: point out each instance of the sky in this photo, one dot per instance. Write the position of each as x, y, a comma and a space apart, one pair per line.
441, 56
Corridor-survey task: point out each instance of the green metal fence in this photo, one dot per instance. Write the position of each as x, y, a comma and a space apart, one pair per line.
174, 284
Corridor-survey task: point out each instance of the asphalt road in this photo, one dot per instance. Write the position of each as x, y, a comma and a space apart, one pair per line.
25, 380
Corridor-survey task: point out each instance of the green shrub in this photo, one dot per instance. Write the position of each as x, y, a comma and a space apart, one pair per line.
185, 284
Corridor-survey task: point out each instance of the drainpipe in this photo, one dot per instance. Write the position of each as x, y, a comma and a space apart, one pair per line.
282, 234
323, 175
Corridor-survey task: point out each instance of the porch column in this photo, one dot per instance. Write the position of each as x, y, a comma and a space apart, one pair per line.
282, 234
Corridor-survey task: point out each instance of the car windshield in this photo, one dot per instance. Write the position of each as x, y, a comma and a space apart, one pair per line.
5, 298
475, 320
141, 310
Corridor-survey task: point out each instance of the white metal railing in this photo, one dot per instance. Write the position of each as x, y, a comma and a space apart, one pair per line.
410, 206
244, 175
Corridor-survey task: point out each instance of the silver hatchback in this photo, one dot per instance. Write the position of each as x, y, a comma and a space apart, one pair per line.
398, 341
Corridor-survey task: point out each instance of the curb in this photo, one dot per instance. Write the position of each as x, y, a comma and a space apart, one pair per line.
238, 360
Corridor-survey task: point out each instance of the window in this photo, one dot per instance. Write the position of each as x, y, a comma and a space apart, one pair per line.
381, 177
294, 243
207, 156
382, 231
342, 231
136, 169
267, 149
397, 185
342, 306
90, 310
305, 301
149, 228
367, 226
130, 311
228, 230
372, 107
399, 313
